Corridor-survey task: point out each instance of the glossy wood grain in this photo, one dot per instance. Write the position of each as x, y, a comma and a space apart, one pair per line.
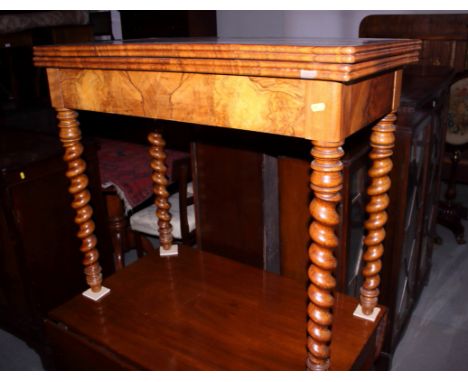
312, 49
382, 141
160, 183
292, 58
204, 312
326, 182
70, 136
320, 110
197, 311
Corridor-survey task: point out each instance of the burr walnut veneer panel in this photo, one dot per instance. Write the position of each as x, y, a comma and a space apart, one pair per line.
319, 110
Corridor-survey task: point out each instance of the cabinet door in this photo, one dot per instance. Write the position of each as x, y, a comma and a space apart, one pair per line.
408, 252
432, 194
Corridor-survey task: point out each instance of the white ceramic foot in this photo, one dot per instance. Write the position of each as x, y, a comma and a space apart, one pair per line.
95, 296
370, 317
173, 251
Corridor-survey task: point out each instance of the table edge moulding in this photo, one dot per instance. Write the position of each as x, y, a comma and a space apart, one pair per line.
320, 90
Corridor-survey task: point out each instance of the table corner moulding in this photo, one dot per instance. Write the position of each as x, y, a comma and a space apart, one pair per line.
319, 90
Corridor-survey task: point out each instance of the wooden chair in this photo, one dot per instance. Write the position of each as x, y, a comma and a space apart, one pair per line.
129, 188
182, 213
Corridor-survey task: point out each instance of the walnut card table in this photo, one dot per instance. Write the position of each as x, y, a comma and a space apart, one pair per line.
197, 310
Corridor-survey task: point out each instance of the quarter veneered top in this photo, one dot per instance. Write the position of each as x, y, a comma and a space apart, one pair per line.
341, 60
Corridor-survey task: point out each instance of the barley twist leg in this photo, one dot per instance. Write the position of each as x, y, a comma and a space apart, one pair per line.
326, 182
70, 136
382, 141
160, 183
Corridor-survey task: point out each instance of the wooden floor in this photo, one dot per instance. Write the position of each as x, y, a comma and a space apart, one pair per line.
198, 311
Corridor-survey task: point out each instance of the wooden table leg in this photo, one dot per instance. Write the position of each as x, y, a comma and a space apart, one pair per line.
160, 182
382, 141
326, 182
70, 136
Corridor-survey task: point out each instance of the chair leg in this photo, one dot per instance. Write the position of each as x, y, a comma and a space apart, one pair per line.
147, 246
138, 244
118, 226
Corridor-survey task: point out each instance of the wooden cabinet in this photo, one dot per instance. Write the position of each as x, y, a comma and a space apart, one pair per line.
40, 259
444, 35
420, 136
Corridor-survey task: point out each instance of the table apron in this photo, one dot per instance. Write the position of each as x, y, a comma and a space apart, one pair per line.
312, 109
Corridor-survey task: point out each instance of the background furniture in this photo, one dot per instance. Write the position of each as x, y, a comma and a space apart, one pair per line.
413, 214
22, 85
450, 212
234, 183
182, 212
126, 182
421, 134
263, 182
40, 258
445, 43
293, 170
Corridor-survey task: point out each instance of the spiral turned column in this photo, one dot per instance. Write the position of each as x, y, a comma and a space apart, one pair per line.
160, 183
326, 182
70, 136
382, 141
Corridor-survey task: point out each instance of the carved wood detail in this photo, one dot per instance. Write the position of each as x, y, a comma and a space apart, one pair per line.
382, 141
326, 182
160, 183
70, 136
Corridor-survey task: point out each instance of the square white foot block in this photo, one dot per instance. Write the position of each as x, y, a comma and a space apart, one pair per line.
173, 251
370, 317
95, 296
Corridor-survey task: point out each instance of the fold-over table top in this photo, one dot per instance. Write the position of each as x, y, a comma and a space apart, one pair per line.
307, 58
